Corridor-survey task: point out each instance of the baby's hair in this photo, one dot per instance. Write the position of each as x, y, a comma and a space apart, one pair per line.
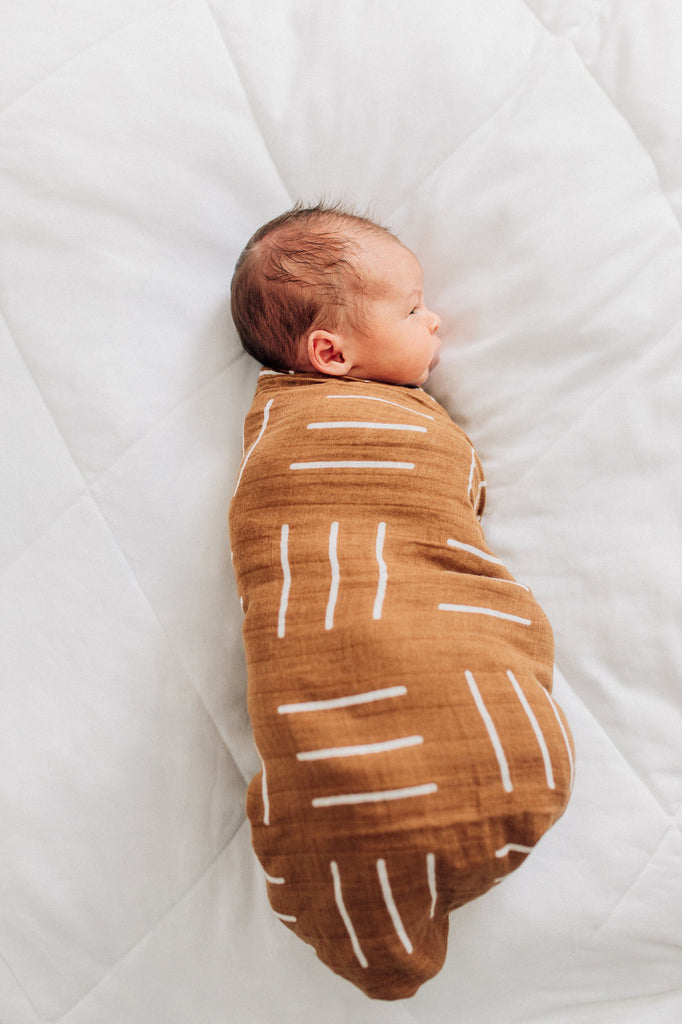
298, 272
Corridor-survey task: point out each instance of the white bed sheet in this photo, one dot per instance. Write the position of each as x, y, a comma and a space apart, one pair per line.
530, 154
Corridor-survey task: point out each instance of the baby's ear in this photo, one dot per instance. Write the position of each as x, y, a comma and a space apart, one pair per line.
326, 352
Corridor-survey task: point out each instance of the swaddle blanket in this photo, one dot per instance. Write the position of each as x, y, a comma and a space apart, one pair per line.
399, 677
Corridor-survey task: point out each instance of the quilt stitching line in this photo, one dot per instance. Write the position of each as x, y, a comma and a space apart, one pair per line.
89, 46
161, 419
582, 27
614, 746
87, 493
552, 42
606, 10
18, 984
67, 450
171, 645
672, 825
90, 485
623, 114
626, 370
538, 58
571, 957
222, 743
155, 924
249, 100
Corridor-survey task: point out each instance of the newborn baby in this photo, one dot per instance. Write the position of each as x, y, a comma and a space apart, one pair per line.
399, 677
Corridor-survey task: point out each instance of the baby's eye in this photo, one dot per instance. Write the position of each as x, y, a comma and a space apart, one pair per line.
413, 310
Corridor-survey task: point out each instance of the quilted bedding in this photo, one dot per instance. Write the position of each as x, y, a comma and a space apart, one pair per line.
528, 152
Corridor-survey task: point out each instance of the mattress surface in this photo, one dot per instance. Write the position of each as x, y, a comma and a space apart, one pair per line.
528, 153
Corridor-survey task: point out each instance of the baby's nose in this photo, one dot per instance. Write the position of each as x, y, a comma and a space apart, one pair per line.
434, 322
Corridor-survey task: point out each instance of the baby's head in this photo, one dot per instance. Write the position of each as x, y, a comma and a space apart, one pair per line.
321, 289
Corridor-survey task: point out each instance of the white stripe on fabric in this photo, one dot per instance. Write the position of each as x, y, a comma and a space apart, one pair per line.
512, 583
471, 474
266, 417
546, 759
352, 464
512, 847
360, 749
285, 917
286, 580
375, 797
474, 551
553, 706
431, 876
373, 398
383, 572
264, 790
390, 905
343, 702
273, 880
363, 424
345, 917
334, 586
483, 611
492, 732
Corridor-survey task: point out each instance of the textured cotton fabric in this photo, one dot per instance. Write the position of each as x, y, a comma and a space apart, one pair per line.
399, 677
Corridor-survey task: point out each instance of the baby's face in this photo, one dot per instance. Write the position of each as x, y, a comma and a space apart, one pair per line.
400, 346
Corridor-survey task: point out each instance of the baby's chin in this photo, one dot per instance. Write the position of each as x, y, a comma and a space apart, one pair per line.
425, 376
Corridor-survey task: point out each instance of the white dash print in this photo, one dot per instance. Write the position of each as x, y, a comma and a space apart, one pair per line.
385, 401
345, 917
286, 580
472, 467
512, 848
352, 464
563, 733
492, 732
383, 572
481, 488
266, 416
343, 702
286, 917
334, 586
390, 905
375, 797
264, 790
360, 749
475, 610
474, 551
364, 424
546, 760
511, 583
273, 880
431, 877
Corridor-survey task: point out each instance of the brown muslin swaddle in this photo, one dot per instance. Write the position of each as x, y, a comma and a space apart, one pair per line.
399, 677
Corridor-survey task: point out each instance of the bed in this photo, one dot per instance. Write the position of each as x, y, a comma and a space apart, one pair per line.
529, 153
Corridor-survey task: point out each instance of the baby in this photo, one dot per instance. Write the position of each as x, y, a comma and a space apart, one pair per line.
399, 677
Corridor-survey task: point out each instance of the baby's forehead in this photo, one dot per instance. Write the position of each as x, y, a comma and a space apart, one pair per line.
389, 263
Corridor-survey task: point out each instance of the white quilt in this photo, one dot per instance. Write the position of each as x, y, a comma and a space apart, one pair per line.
530, 153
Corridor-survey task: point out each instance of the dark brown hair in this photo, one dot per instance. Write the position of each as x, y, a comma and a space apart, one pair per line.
300, 271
